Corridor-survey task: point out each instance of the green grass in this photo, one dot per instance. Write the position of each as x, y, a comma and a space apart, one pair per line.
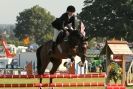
20, 81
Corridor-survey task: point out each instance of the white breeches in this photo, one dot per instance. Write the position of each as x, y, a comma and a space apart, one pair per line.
56, 33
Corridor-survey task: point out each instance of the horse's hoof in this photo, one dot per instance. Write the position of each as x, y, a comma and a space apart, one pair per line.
67, 65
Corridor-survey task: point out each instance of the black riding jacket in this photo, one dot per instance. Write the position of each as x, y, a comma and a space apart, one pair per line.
63, 21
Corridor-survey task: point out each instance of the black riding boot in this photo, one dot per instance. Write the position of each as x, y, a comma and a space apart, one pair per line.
53, 46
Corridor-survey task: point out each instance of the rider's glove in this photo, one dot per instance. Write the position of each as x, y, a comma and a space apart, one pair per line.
72, 28
65, 28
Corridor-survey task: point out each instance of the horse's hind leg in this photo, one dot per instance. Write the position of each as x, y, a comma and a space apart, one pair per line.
43, 70
56, 64
39, 64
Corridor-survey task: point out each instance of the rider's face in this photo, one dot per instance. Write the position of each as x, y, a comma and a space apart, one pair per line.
71, 13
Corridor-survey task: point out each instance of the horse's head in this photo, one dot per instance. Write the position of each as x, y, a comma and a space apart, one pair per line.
79, 43
74, 38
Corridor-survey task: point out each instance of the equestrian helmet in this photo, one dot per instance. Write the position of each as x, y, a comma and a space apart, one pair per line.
71, 8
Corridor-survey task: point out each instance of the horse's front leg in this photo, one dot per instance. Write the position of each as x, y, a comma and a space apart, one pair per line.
72, 59
82, 62
83, 58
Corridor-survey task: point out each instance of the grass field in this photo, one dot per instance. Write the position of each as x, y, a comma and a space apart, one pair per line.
13, 81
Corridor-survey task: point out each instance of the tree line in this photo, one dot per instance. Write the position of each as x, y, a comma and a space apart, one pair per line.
108, 18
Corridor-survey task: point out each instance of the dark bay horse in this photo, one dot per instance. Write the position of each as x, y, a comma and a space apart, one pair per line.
75, 45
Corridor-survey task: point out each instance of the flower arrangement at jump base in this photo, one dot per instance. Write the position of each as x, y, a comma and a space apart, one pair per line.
115, 72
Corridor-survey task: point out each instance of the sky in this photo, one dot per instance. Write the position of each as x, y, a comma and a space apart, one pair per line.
9, 9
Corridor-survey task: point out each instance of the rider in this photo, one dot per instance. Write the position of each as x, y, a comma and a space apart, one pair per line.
63, 23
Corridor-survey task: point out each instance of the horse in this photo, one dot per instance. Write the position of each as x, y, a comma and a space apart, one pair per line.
76, 44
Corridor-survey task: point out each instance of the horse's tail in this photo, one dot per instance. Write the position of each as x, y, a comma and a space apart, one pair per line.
39, 64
